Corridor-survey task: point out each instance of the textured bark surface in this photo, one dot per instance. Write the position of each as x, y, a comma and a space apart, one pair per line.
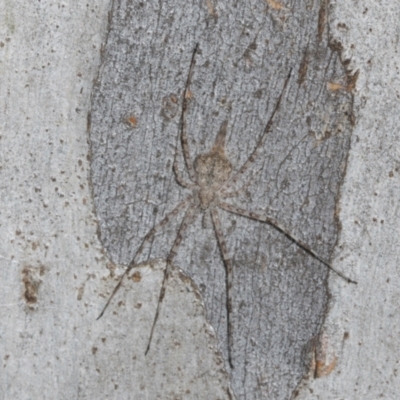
245, 53
54, 272
53, 268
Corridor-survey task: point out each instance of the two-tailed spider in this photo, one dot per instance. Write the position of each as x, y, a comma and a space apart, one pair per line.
211, 184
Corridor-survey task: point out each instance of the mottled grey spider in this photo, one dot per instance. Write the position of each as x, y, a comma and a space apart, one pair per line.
211, 184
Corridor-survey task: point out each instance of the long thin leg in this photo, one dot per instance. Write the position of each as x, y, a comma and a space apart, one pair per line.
191, 213
275, 224
228, 277
146, 239
260, 143
179, 178
183, 136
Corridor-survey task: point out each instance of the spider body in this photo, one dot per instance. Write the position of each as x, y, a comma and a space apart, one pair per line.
212, 170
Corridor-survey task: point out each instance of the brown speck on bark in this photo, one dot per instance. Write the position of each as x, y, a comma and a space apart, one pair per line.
132, 121
136, 277
303, 69
80, 292
349, 86
31, 281
111, 267
211, 9
323, 369
275, 5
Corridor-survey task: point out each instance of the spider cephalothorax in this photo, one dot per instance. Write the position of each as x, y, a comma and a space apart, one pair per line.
212, 169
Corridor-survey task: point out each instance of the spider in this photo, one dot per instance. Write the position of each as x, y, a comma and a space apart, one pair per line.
212, 183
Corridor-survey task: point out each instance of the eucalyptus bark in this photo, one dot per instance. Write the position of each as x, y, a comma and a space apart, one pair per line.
329, 171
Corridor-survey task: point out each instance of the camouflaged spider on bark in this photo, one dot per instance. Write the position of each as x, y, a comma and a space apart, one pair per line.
211, 184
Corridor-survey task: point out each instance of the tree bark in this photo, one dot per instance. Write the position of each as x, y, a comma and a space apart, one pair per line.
329, 171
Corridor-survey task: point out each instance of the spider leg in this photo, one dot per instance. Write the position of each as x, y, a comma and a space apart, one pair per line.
231, 182
275, 224
183, 129
228, 277
189, 217
146, 239
179, 178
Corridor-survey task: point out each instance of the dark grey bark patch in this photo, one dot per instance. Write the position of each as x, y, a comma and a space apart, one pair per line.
246, 51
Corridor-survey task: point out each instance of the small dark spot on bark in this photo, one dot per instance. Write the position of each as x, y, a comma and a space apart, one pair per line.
258, 94
80, 292
94, 350
336, 46
31, 283
303, 69
346, 335
136, 276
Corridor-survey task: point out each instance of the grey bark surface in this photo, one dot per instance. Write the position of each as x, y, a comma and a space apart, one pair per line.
55, 274
245, 53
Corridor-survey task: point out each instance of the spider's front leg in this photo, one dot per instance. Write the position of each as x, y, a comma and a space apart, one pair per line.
253, 156
183, 132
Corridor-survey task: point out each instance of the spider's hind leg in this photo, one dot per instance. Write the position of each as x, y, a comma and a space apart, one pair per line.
280, 228
189, 217
146, 239
228, 277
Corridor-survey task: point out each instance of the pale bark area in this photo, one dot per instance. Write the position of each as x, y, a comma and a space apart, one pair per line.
362, 328
52, 263
54, 271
